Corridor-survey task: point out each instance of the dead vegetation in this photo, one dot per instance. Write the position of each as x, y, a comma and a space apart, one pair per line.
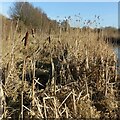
70, 74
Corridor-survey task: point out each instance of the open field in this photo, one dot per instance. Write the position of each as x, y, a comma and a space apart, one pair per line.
66, 74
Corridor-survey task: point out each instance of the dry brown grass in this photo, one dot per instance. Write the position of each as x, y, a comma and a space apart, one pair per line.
83, 80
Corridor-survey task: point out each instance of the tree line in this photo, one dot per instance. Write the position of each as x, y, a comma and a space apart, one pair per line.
34, 17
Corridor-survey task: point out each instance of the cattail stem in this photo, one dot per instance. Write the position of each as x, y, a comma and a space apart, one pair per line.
33, 85
107, 80
23, 77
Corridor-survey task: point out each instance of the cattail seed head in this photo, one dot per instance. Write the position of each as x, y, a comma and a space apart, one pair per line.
26, 39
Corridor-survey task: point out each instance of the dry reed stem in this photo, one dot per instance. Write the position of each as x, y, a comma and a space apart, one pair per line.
2, 101
107, 80
53, 83
32, 112
66, 111
55, 105
33, 85
115, 65
45, 112
39, 107
78, 98
86, 84
74, 102
65, 100
45, 107
39, 82
23, 78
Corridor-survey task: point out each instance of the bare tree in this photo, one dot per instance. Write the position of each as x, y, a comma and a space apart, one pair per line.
31, 16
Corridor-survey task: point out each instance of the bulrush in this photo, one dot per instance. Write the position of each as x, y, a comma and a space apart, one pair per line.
33, 32
26, 39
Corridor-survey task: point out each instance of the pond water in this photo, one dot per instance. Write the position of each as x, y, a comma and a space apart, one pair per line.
117, 51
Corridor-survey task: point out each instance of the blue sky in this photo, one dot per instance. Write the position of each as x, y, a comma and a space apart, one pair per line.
108, 11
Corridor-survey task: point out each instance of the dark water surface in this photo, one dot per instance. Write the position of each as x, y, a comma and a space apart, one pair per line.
117, 51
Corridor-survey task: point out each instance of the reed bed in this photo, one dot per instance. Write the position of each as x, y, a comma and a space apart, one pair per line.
78, 76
